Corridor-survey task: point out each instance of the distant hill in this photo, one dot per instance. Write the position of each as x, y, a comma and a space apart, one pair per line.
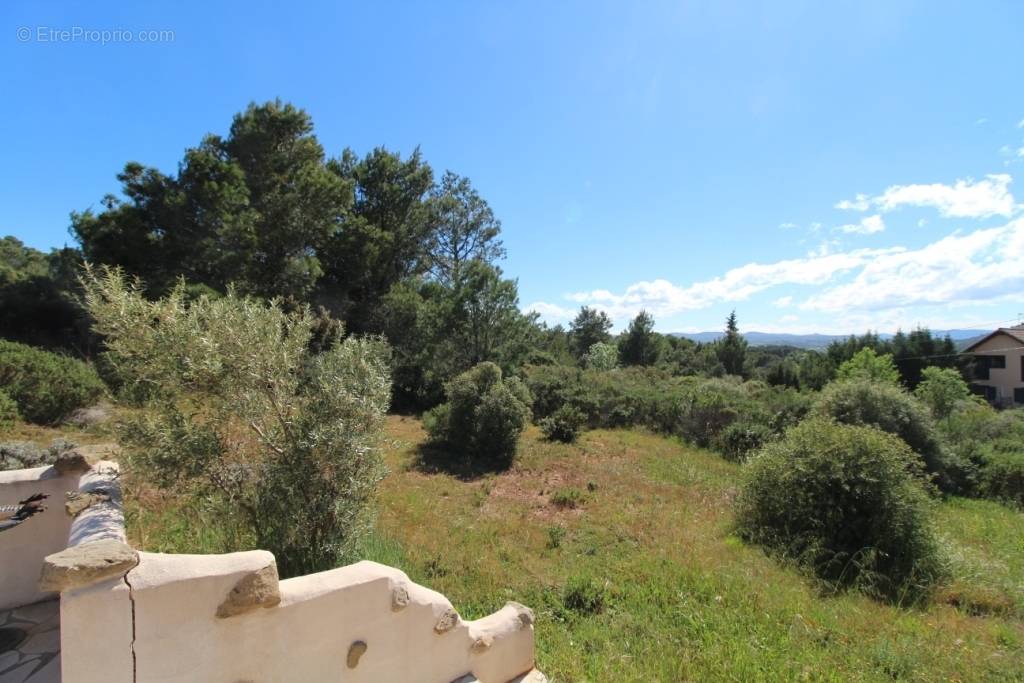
819, 341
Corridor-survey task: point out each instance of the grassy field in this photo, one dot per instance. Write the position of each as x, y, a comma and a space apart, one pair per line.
621, 544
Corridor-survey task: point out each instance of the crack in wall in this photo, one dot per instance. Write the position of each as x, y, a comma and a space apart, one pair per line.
131, 599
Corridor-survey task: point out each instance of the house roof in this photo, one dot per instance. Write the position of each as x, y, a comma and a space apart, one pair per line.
1016, 333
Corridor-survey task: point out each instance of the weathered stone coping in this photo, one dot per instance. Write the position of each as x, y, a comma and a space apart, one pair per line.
97, 547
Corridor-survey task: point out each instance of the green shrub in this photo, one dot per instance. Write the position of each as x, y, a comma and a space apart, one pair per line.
893, 410
46, 386
601, 356
846, 502
483, 417
1001, 476
8, 412
569, 497
740, 439
276, 440
564, 424
584, 595
556, 534
942, 390
866, 364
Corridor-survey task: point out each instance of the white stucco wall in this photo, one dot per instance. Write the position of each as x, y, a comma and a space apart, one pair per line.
23, 548
1005, 380
171, 602
130, 617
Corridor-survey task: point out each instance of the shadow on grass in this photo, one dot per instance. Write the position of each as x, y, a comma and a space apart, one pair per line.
438, 458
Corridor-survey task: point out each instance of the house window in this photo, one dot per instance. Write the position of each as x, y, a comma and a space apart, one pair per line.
983, 363
1018, 396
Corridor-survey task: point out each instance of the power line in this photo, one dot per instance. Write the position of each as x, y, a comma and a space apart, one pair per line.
960, 353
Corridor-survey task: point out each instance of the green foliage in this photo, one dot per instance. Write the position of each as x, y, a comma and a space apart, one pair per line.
440, 330
868, 365
38, 303
564, 424
386, 235
589, 327
8, 412
46, 386
240, 414
569, 497
556, 534
466, 229
740, 439
942, 389
483, 416
891, 409
695, 409
732, 348
847, 503
640, 345
911, 352
584, 595
256, 208
1002, 476
601, 356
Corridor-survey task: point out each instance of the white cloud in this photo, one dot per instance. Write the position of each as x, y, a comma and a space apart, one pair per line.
964, 199
859, 203
921, 222
961, 269
663, 298
787, 226
858, 289
981, 122
1020, 124
548, 311
867, 226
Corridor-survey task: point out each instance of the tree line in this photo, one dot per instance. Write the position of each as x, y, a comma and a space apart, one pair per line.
379, 241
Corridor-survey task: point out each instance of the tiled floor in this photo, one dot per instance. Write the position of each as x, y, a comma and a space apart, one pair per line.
36, 659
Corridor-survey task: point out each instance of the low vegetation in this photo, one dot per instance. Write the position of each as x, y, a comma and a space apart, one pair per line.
45, 386
239, 415
647, 580
849, 504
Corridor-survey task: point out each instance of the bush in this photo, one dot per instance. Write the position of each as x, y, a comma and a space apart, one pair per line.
601, 356
483, 417
1001, 476
563, 425
570, 497
740, 439
846, 502
584, 595
942, 390
866, 364
46, 386
243, 416
893, 410
8, 412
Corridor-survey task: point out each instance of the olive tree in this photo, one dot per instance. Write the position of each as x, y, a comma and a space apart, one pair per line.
239, 411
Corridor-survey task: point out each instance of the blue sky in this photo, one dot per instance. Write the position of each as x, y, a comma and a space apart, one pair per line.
688, 158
